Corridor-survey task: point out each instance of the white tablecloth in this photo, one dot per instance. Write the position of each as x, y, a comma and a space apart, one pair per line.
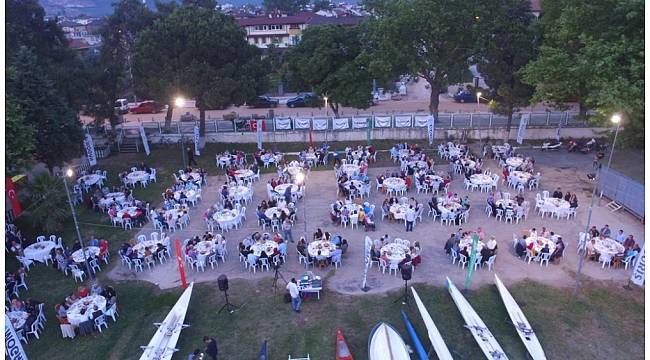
227, 218
467, 242
78, 256
310, 156
141, 246
110, 198
239, 192
280, 189
90, 179
404, 153
244, 173
325, 247
399, 211
75, 317
506, 203
17, 318
480, 179
514, 161
394, 183
352, 207
522, 176
608, 246
468, 163
539, 243
267, 247
40, 250
454, 151
275, 210
357, 184
395, 252
190, 194
131, 210
223, 159
447, 206
350, 169
196, 177
137, 176
556, 203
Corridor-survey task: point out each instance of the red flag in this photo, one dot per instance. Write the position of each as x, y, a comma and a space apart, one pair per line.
310, 141
179, 258
13, 196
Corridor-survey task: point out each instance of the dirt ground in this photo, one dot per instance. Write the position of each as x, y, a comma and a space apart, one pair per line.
558, 170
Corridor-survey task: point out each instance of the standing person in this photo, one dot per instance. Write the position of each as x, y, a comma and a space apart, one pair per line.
210, 347
190, 157
286, 230
410, 218
292, 286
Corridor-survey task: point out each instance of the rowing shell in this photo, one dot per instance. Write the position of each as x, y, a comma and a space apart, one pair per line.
434, 335
385, 343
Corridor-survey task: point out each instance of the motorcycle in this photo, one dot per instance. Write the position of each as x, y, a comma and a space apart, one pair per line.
551, 145
572, 146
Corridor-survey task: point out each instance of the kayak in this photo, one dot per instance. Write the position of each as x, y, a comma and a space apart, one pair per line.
520, 322
422, 354
342, 348
434, 335
264, 352
385, 343
486, 341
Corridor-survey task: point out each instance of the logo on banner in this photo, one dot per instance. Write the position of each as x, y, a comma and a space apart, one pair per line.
13, 347
521, 133
638, 275
430, 128
90, 150
197, 152
145, 142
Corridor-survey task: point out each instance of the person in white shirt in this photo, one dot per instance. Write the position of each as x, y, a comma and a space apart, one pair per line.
620, 238
410, 218
292, 286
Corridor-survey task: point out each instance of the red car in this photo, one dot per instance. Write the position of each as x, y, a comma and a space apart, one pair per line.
147, 107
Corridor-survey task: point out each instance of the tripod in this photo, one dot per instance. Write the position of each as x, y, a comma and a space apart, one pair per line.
405, 297
278, 275
231, 308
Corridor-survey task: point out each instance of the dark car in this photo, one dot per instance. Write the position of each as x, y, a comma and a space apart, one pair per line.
304, 100
468, 97
147, 107
263, 102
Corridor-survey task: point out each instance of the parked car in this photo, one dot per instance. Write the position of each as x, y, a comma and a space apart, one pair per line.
122, 106
304, 100
263, 102
468, 97
147, 107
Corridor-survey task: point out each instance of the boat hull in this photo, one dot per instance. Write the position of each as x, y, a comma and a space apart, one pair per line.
385, 343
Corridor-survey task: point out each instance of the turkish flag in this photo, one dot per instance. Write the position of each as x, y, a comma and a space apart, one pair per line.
13, 196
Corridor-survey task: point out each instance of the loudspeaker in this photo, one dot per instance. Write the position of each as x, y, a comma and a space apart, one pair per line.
407, 271
222, 281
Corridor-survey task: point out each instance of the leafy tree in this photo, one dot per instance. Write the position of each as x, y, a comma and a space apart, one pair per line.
285, 6
322, 5
19, 142
330, 60
509, 42
201, 54
57, 129
50, 209
433, 39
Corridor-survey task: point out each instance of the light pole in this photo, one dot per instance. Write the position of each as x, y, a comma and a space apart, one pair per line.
616, 119
300, 181
478, 100
69, 173
180, 102
326, 108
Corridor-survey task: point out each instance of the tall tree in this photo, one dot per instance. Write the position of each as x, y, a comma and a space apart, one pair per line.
19, 142
285, 6
509, 41
329, 59
49, 211
433, 39
322, 5
57, 129
201, 54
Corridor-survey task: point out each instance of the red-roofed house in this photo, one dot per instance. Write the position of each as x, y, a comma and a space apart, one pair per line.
78, 44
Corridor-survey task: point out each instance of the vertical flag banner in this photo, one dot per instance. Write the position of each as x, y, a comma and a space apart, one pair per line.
89, 145
431, 128
13, 347
10, 189
521, 133
179, 259
145, 142
258, 130
197, 138
638, 275
559, 128
368, 130
472, 261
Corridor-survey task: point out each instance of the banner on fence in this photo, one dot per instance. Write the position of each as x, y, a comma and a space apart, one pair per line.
521, 133
382, 121
430, 128
301, 123
283, 124
341, 124
13, 347
145, 142
421, 120
638, 275
402, 121
89, 145
319, 124
197, 139
359, 122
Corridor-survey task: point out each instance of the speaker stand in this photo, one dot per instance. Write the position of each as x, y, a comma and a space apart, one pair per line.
405, 296
231, 308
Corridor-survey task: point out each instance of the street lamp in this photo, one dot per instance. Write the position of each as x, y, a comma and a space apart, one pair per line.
478, 99
326, 109
69, 173
616, 119
179, 102
300, 181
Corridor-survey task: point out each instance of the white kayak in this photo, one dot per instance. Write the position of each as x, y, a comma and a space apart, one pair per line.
385, 343
486, 341
520, 322
163, 343
434, 335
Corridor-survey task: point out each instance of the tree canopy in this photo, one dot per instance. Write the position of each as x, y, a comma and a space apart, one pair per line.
19, 142
285, 6
329, 59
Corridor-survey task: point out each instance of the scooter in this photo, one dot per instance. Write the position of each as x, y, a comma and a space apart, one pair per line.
551, 145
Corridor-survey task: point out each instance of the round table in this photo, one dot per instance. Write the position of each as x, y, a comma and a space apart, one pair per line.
418, 164
141, 246
239, 192
357, 184
468, 163
90, 179
350, 169
352, 207
399, 211
326, 248
78, 256
454, 151
271, 158
110, 198
447, 206
130, 210
280, 189
244, 173
137, 176
468, 242
39, 251
196, 177
223, 159
268, 247
226, 217
293, 170
310, 156
190, 194
395, 252
556, 203
394, 183
404, 153
275, 211
17, 318
539, 242
480, 179
522, 176
510, 203
514, 161
609, 247
87, 304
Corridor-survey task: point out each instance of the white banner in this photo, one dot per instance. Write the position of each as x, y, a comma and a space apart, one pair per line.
13, 347
283, 124
521, 133
559, 128
301, 124
341, 124
430, 128
145, 142
258, 129
421, 120
197, 139
638, 275
319, 124
90, 150
359, 122
382, 121
402, 121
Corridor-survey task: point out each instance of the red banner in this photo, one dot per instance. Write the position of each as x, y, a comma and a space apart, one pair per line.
13, 196
179, 259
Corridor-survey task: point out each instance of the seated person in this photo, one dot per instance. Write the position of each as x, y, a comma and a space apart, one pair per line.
344, 246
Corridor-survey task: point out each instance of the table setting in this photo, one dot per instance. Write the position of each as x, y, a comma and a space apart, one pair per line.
196, 177
90, 179
395, 252
141, 246
271, 158
608, 247
394, 183
326, 248
468, 163
350, 169
515, 161
190, 194
223, 160
239, 192
82, 309
357, 184
17, 318
556, 203
131, 210
481, 179
449, 205
39, 251
78, 256
280, 189
293, 170
137, 176
110, 198
226, 218
468, 242
419, 164
522, 176
398, 211
268, 247
244, 174
539, 242
275, 211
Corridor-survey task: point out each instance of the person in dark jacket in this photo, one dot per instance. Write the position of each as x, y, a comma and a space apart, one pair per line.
211, 347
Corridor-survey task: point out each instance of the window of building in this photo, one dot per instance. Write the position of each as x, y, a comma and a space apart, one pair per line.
294, 26
275, 27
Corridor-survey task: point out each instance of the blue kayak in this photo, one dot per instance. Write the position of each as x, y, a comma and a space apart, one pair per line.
422, 354
264, 352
